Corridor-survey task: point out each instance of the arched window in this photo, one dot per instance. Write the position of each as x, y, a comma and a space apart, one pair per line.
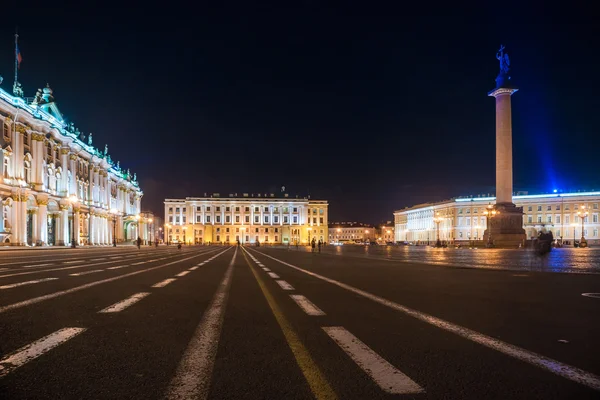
27, 171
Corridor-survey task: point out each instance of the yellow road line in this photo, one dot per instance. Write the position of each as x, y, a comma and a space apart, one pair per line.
315, 378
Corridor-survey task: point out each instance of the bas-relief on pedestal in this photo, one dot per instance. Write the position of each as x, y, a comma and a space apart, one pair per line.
505, 229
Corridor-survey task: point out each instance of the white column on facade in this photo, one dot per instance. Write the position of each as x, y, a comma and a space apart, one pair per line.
64, 224
23, 219
35, 229
64, 162
76, 218
73, 169
18, 153
92, 232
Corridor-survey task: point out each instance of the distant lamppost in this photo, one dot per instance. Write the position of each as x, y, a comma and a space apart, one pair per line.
574, 225
160, 234
489, 214
437, 219
73, 201
242, 229
137, 218
184, 228
337, 236
367, 236
583, 213
476, 232
309, 229
114, 213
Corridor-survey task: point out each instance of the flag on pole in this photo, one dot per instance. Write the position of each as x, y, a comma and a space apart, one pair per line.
19, 57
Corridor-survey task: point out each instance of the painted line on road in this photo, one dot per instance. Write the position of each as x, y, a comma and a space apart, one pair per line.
284, 285
3, 269
273, 275
388, 378
306, 305
556, 367
72, 262
36, 349
139, 263
36, 265
118, 267
193, 268
317, 382
14, 285
115, 257
123, 304
86, 272
164, 283
266, 269
194, 373
39, 299
594, 295
98, 259
184, 273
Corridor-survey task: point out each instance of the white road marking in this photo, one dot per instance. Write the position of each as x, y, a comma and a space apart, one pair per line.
260, 265
193, 268
36, 265
139, 263
596, 295
266, 269
123, 304
118, 267
14, 285
86, 272
389, 378
184, 273
113, 258
36, 349
164, 283
2, 269
39, 299
284, 285
72, 262
273, 275
306, 305
98, 259
556, 367
193, 376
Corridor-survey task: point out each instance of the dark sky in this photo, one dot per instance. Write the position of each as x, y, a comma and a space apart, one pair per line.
372, 108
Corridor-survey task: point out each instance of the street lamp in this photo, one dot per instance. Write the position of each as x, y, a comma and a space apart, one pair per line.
437, 219
574, 225
184, 228
114, 213
489, 214
73, 200
309, 229
476, 232
242, 229
583, 213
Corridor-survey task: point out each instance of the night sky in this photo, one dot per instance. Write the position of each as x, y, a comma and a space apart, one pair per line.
373, 109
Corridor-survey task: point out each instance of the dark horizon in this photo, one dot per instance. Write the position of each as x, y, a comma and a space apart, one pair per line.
370, 109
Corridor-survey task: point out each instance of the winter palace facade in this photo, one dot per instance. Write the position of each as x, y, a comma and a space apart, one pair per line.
464, 219
250, 218
55, 186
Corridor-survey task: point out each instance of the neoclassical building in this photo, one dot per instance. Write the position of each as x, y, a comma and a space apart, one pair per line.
250, 218
464, 219
54, 179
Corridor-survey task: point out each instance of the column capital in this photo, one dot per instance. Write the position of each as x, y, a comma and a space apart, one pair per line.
64, 150
502, 91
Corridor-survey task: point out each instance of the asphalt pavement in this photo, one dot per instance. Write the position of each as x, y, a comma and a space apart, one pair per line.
214, 322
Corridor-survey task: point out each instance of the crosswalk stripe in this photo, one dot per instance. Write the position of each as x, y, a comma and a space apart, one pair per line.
273, 275
118, 267
184, 273
36, 349
388, 378
306, 305
121, 305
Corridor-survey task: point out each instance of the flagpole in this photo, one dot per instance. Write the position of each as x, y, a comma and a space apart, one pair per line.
16, 57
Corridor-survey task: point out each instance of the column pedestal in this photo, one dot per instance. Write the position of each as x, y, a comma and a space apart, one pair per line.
505, 229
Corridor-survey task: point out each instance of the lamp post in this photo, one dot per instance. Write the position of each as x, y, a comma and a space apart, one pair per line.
476, 232
137, 218
309, 229
114, 213
437, 219
160, 234
489, 214
242, 229
73, 201
150, 229
168, 234
583, 213
184, 228
574, 225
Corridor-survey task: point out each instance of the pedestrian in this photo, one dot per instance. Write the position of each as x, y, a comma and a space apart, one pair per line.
319, 246
312, 245
139, 242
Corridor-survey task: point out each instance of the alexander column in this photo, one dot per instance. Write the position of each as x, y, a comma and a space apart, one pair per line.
505, 227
